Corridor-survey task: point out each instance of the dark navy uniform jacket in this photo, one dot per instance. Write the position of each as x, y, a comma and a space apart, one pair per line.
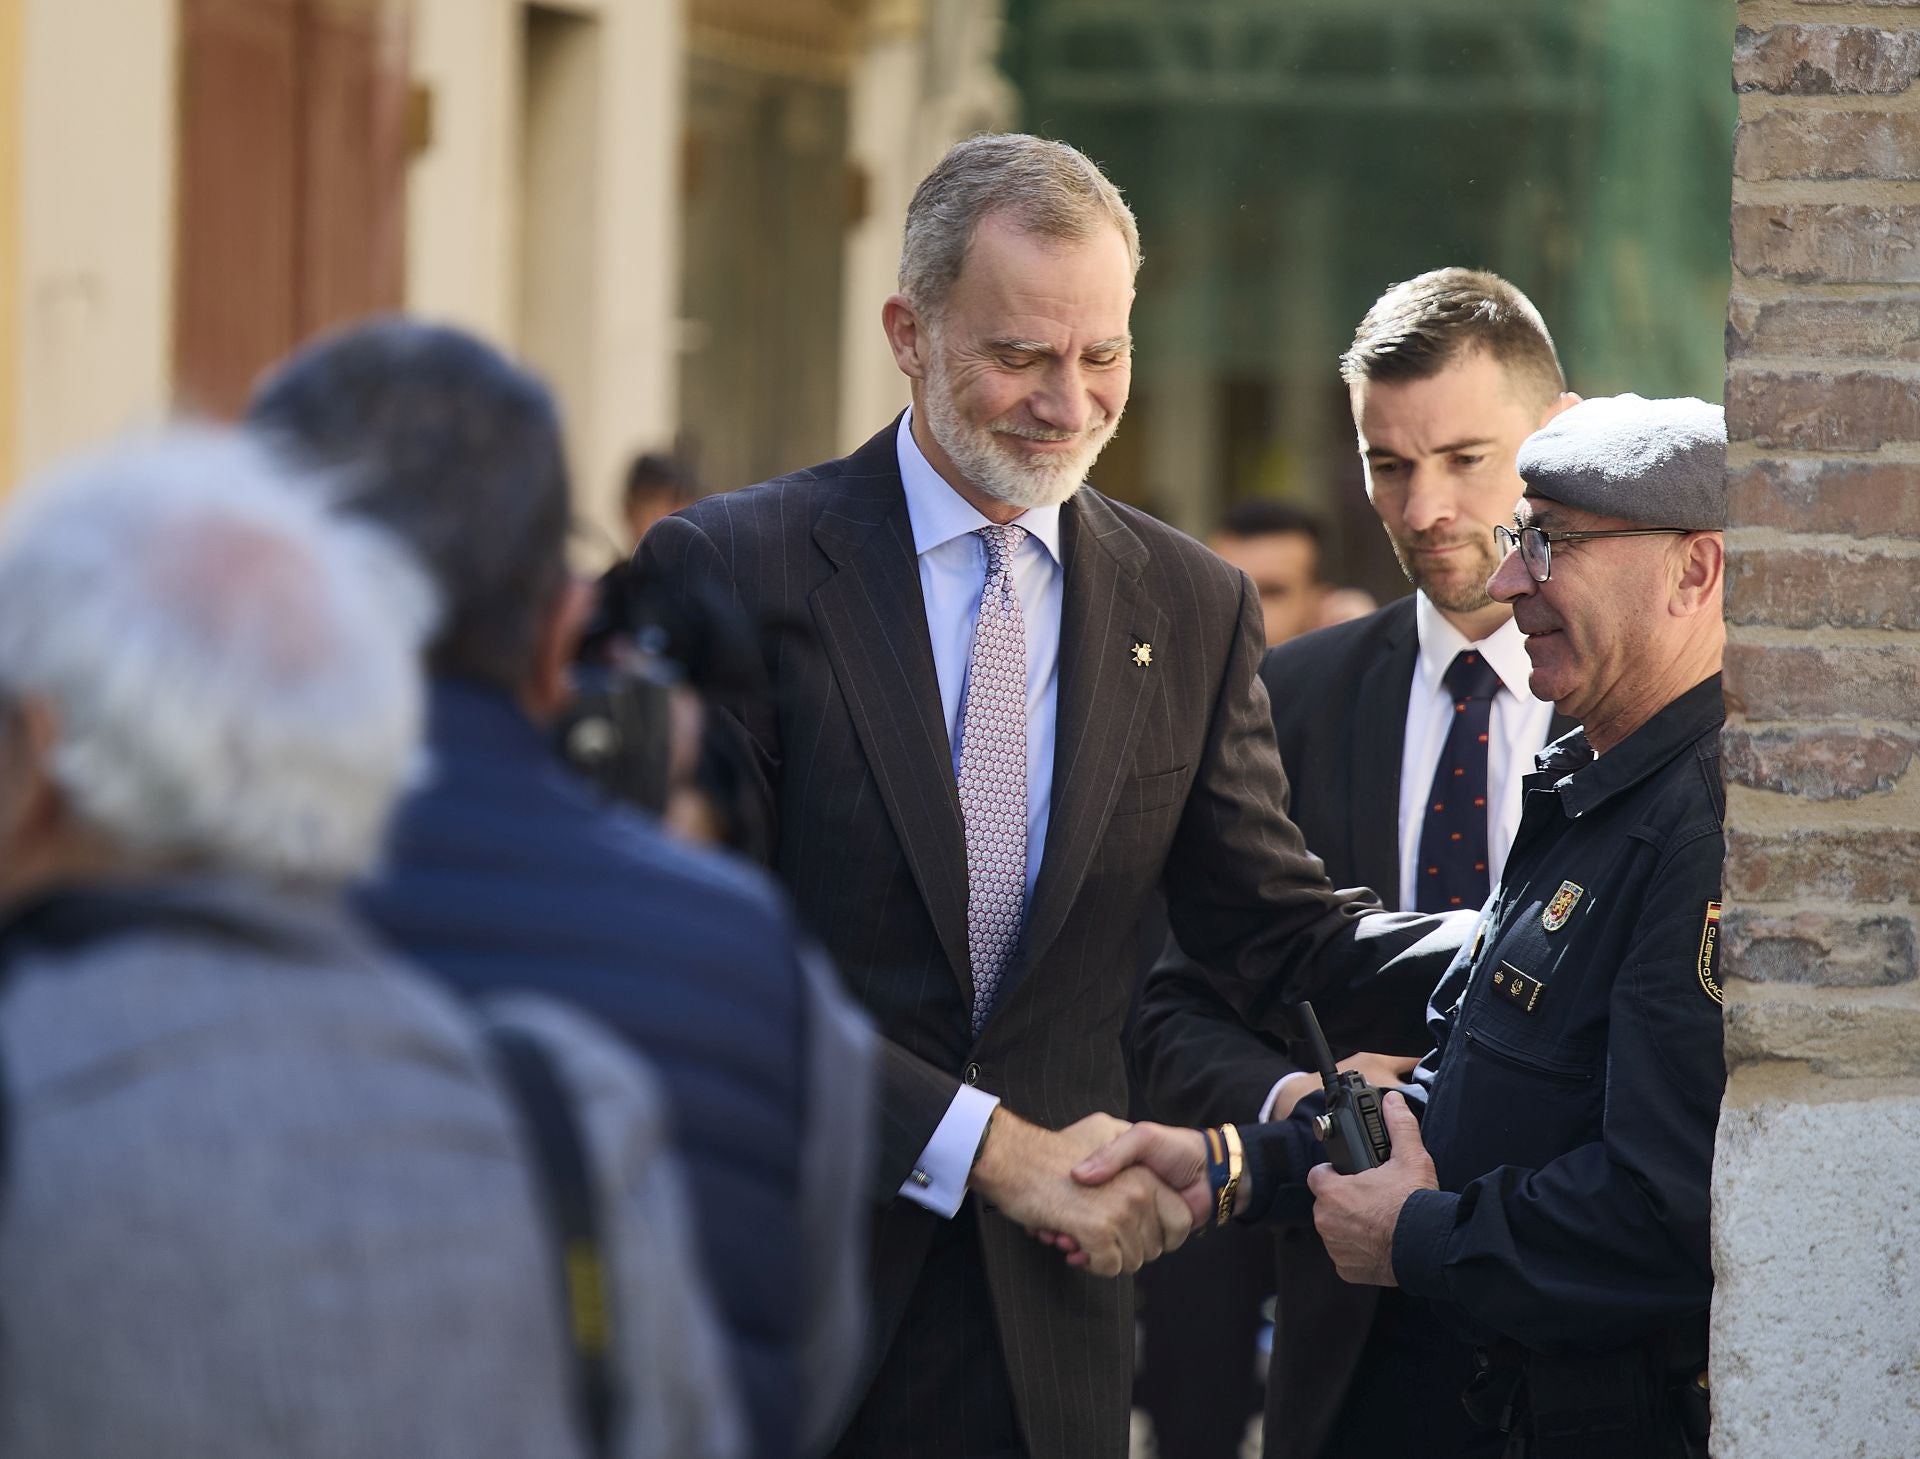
1570, 1100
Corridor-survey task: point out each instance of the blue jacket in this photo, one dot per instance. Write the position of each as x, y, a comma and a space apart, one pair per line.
505, 871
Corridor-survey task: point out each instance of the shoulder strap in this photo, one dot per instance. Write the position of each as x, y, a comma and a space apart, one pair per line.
565, 1172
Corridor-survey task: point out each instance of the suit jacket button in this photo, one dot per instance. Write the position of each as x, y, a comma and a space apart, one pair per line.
972, 1074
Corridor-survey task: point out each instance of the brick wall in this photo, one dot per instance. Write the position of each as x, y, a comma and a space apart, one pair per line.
1817, 1175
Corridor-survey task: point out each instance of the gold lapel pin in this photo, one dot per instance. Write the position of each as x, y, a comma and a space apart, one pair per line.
1143, 654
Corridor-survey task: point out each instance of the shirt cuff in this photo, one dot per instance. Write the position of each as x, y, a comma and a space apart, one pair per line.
938, 1179
1273, 1094
1420, 1237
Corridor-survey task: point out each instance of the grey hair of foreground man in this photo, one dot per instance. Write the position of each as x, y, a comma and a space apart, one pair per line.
223, 673
1045, 189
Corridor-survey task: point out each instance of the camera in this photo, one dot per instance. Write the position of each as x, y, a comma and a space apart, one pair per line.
659, 681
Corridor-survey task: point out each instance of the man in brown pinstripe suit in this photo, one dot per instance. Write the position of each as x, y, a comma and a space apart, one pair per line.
1128, 713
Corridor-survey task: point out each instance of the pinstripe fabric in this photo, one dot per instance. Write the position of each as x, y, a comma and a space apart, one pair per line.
1162, 769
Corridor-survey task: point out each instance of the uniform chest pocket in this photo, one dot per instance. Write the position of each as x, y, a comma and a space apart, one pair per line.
1536, 1010
1501, 1045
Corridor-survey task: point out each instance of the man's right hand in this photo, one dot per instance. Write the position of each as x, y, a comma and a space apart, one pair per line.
1117, 1227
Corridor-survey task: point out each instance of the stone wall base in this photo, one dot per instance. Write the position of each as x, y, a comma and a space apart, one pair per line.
1816, 1253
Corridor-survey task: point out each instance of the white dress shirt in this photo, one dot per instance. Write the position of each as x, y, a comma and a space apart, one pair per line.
953, 572
1516, 730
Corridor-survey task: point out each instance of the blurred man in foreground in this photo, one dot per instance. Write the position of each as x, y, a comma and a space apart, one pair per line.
505, 871
264, 1191
1548, 1187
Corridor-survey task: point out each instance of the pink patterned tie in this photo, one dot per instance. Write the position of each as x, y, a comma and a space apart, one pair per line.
993, 773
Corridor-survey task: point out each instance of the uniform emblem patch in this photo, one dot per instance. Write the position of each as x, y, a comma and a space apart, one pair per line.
1709, 943
1562, 905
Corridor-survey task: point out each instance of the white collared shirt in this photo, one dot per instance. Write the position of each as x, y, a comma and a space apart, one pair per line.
953, 573
1517, 729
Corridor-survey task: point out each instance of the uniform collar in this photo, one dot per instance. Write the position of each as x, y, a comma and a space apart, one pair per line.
1583, 781
939, 514
1505, 650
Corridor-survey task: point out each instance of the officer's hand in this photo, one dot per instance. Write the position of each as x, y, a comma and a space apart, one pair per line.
1178, 1157
1356, 1214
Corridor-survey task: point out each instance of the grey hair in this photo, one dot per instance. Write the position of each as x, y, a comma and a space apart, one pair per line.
232, 666
1046, 189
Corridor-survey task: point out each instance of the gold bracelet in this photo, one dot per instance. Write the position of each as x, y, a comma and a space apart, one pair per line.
1223, 1207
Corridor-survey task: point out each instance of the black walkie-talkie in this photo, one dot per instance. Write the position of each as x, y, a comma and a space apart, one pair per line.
1353, 1129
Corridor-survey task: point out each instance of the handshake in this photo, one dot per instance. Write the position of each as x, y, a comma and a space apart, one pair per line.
1112, 1196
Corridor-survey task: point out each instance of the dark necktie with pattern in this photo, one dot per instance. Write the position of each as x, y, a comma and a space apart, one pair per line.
993, 773
1453, 840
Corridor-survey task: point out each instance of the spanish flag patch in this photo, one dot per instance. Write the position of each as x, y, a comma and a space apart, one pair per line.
1709, 944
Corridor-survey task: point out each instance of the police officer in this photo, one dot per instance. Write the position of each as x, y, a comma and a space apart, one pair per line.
1548, 1187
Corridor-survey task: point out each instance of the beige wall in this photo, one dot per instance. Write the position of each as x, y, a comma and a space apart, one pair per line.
924, 80
462, 190
91, 301
10, 107
599, 316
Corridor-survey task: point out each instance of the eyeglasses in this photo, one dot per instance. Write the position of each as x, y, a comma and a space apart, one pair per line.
1536, 544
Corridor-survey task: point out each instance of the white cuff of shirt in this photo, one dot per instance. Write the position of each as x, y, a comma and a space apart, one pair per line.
1273, 1094
938, 1180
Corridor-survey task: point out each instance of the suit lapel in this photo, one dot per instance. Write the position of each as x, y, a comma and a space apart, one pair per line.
872, 622
1101, 705
1380, 736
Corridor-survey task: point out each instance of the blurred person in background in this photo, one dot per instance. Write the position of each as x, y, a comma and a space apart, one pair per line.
646, 667
1277, 545
1343, 605
264, 1190
657, 485
507, 871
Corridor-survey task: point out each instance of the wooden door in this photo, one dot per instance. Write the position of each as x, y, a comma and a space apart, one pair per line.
292, 178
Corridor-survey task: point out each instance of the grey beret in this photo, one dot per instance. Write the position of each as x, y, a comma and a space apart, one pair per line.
1658, 463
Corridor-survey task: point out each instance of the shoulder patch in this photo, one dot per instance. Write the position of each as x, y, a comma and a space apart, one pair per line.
1709, 944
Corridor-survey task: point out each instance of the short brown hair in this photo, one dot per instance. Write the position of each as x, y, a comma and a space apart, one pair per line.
1046, 189
1420, 327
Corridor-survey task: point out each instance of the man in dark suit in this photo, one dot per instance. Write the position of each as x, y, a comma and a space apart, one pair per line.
1448, 372
1006, 709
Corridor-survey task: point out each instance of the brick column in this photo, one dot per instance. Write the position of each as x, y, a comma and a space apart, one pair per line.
1817, 1174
